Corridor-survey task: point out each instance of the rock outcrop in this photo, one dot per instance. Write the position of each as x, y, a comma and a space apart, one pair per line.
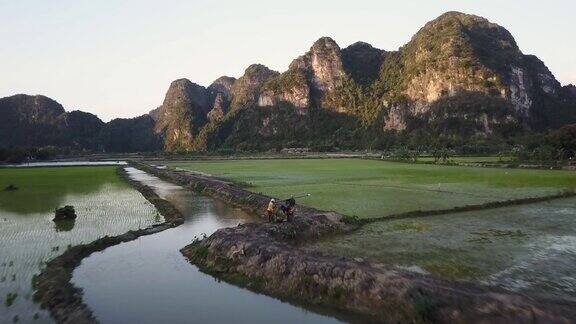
458, 53
182, 114
246, 89
220, 97
362, 62
310, 79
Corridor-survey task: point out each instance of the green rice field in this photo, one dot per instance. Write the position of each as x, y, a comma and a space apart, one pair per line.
367, 188
104, 203
529, 248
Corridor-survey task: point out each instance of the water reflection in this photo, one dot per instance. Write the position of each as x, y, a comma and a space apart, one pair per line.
149, 281
65, 225
41, 190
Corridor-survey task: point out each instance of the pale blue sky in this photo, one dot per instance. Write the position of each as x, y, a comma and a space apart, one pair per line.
117, 58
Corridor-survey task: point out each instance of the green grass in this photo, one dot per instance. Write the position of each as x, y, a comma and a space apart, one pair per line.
367, 188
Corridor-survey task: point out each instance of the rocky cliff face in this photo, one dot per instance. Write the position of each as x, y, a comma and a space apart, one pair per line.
458, 53
310, 80
246, 90
182, 114
220, 97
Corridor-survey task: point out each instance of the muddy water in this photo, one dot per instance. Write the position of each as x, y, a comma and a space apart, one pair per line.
149, 281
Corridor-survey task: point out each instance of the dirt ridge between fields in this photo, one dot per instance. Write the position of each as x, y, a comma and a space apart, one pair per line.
265, 257
54, 289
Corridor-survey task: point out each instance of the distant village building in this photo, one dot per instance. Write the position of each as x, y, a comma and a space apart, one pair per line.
295, 150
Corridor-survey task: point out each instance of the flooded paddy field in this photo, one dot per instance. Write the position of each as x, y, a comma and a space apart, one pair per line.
148, 280
104, 203
370, 189
529, 248
64, 164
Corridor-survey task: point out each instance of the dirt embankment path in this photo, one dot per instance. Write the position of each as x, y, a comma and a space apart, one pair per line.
55, 292
266, 257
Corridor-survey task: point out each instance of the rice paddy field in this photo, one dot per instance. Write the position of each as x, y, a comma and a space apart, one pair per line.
368, 189
104, 203
529, 248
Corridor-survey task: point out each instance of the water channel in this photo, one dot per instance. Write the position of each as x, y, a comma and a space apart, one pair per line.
149, 281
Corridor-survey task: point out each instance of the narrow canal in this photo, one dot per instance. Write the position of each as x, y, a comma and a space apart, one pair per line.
149, 281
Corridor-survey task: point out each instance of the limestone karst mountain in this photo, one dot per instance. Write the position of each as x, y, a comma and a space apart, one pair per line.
460, 77
38, 121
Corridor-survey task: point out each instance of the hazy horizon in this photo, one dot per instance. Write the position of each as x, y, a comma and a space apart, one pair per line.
117, 59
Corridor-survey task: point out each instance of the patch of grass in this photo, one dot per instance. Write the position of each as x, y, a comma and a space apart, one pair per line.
412, 226
201, 252
10, 187
353, 220
451, 270
10, 299
496, 233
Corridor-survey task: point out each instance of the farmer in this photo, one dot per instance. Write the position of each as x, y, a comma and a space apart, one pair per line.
270, 209
288, 208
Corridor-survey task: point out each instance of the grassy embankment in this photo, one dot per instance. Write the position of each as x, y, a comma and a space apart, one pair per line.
370, 189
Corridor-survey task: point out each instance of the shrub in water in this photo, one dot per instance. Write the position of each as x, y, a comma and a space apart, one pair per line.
65, 213
11, 187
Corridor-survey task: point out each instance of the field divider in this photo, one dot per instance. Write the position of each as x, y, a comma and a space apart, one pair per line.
267, 258
463, 193
461, 209
53, 287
